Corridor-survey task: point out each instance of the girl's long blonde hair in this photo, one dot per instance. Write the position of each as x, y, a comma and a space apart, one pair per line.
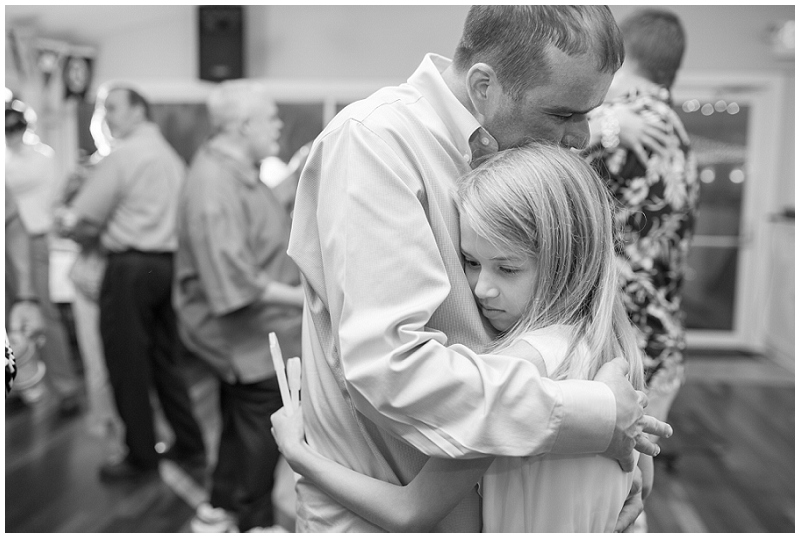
547, 203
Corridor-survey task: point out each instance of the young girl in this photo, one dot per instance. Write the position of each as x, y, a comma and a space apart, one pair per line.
537, 240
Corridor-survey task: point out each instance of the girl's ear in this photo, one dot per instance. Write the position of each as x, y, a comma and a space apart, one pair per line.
482, 83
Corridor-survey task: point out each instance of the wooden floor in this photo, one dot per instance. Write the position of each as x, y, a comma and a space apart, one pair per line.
730, 466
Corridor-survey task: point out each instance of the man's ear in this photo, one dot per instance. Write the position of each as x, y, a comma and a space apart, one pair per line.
481, 83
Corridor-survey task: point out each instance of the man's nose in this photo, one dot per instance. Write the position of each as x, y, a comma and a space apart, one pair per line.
577, 133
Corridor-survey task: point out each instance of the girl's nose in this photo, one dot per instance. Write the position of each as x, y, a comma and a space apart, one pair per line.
485, 289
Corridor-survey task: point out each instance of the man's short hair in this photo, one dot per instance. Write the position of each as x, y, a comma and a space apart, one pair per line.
514, 40
656, 41
135, 98
232, 101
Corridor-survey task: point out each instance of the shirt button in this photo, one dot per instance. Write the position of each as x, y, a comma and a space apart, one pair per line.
467, 156
485, 141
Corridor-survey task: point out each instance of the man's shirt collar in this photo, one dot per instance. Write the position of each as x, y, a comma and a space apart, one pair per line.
244, 170
473, 141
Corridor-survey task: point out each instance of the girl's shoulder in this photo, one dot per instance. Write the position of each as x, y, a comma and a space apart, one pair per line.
551, 342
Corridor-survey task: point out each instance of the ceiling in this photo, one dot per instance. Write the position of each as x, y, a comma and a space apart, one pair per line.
84, 24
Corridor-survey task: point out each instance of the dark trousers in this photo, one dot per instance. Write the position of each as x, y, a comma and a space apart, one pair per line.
140, 342
248, 455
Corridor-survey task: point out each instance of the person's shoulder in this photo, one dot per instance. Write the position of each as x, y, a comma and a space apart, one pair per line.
208, 169
380, 111
210, 181
529, 350
552, 340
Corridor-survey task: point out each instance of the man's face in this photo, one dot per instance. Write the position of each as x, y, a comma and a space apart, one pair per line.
554, 111
120, 116
262, 130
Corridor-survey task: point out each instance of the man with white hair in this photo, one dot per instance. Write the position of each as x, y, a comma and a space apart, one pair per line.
235, 284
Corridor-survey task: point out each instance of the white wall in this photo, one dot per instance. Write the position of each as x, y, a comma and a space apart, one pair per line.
351, 42
163, 46
357, 42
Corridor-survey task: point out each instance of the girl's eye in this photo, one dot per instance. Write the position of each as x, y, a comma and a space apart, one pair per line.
510, 270
471, 263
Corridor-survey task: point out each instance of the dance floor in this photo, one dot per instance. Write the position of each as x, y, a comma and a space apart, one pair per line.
730, 466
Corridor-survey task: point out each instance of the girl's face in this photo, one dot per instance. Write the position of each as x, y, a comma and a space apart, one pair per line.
501, 281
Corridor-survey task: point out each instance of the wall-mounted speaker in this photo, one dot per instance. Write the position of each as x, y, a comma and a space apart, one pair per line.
221, 38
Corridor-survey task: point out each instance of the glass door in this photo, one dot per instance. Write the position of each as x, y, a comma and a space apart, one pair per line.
733, 129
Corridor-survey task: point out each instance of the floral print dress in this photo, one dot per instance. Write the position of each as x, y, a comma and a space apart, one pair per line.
657, 204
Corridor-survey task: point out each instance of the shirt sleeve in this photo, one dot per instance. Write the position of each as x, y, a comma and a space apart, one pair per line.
102, 191
225, 262
379, 248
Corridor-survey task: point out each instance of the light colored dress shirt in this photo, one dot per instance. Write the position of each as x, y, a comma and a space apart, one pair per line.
133, 192
390, 324
554, 492
31, 177
232, 239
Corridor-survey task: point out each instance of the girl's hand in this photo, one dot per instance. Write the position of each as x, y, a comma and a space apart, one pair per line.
289, 433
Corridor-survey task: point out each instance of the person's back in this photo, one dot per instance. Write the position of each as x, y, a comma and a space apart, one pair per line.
210, 323
149, 174
657, 199
552, 492
394, 121
31, 176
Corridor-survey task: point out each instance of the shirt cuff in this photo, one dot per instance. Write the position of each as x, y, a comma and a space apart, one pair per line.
589, 416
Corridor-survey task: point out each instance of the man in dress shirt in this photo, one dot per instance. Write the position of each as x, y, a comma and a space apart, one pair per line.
129, 203
234, 285
391, 329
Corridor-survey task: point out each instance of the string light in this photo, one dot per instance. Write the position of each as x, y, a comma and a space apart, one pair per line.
736, 175
707, 175
707, 109
691, 105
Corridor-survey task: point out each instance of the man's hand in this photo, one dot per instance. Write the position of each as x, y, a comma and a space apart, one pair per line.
634, 504
631, 422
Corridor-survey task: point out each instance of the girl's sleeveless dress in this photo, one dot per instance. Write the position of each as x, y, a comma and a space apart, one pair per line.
553, 493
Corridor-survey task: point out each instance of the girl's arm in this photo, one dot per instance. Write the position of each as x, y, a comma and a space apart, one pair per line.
416, 507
